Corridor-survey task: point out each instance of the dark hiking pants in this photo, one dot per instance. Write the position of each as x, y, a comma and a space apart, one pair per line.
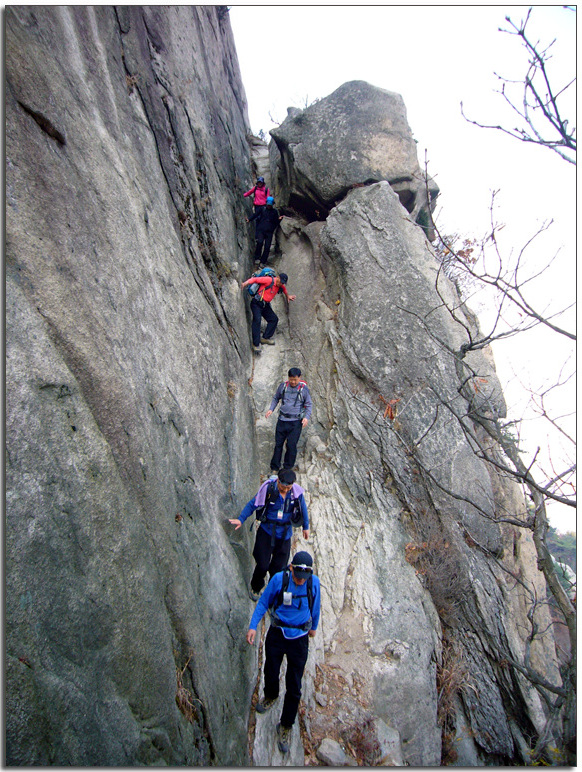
271, 558
289, 431
263, 246
260, 309
296, 650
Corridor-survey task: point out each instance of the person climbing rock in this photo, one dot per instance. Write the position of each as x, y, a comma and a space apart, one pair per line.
293, 600
260, 191
277, 498
294, 413
268, 219
261, 307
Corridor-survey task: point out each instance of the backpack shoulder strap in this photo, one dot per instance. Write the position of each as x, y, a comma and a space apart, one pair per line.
266, 288
284, 585
310, 594
300, 395
273, 492
270, 496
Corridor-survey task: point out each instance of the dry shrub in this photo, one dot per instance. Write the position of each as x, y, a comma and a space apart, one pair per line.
452, 679
362, 741
438, 562
184, 699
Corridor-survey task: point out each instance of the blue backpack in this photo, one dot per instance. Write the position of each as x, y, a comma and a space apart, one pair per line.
252, 289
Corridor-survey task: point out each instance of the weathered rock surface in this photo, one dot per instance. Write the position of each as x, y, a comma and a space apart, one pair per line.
389, 743
127, 362
331, 754
396, 555
356, 136
135, 422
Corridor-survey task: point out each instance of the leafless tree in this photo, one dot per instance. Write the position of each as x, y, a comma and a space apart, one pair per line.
535, 100
495, 444
476, 264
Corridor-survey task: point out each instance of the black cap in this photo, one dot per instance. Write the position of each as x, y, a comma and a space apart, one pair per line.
302, 565
284, 278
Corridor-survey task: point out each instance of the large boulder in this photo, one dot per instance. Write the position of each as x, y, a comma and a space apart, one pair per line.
356, 136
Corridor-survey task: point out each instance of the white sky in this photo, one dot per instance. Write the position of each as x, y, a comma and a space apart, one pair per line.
437, 57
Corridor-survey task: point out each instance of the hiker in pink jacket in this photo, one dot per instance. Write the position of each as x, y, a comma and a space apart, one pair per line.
261, 192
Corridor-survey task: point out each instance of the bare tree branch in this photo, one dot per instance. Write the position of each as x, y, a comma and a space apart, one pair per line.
544, 123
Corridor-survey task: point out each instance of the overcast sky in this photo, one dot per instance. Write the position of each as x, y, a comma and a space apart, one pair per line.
437, 57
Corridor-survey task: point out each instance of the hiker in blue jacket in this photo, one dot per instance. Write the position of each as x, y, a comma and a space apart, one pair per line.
294, 413
293, 599
276, 498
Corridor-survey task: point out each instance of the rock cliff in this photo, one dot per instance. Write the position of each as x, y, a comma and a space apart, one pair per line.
129, 426
135, 418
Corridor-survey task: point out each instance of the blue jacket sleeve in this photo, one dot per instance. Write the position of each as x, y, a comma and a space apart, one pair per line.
248, 510
267, 599
303, 506
316, 603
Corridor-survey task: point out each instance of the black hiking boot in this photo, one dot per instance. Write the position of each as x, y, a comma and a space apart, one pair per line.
283, 737
264, 704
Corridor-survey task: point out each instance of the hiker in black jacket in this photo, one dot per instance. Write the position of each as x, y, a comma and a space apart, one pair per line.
267, 223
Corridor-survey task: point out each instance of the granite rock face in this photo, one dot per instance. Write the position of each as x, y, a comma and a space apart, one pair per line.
355, 136
126, 402
409, 569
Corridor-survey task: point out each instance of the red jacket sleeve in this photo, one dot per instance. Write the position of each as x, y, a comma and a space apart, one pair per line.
248, 193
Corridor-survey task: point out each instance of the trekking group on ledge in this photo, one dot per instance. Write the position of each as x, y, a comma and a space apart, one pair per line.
292, 597
264, 284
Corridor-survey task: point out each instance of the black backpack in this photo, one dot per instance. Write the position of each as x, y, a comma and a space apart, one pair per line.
275, 621
273, 495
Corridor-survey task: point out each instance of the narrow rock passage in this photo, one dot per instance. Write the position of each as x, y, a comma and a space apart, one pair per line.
270, 368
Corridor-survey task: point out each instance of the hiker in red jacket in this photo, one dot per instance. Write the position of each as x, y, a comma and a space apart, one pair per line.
261, 192
261, 307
